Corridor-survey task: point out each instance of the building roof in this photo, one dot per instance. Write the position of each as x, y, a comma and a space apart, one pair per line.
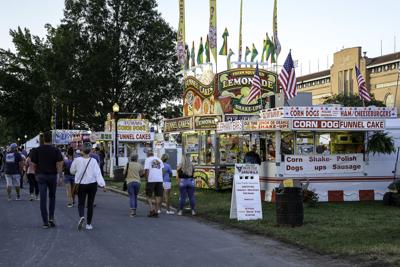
313, 76
383, 59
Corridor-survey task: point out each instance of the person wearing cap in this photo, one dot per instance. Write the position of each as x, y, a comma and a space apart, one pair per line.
48, 165
13, 165
87, 178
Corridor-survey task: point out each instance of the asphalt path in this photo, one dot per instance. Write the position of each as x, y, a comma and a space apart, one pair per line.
118, 240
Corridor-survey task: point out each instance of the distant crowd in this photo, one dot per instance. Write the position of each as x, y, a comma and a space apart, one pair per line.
82, 172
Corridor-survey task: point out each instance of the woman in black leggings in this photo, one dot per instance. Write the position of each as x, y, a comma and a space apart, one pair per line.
87, 177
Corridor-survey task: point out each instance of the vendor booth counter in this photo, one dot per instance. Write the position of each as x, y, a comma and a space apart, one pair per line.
323, 145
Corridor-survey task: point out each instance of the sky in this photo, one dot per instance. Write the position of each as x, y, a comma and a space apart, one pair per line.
312, 29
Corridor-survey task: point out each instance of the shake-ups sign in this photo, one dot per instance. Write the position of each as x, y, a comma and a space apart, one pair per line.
234, 88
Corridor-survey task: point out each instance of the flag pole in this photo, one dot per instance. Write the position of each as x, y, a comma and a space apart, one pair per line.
240, 33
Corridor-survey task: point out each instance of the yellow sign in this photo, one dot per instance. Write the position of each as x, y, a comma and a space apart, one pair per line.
288, 183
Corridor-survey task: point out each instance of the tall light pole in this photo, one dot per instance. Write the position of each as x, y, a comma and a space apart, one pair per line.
116, 110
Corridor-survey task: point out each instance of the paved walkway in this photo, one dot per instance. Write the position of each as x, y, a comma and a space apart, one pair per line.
118, 240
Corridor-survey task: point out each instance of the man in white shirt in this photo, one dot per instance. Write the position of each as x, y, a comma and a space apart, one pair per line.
154, 168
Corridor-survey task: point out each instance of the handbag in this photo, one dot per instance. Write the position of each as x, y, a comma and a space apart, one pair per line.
125, 184
76, 186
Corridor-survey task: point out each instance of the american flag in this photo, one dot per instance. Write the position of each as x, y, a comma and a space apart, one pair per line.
362, 88
255, 87
287, 78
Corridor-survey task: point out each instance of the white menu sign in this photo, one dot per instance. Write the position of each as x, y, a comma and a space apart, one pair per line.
246, 199
322, 164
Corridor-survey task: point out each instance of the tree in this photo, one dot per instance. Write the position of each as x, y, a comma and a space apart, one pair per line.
352, 101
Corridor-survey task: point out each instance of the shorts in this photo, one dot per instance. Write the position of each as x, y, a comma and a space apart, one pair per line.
69, 179
13, 179
167, 185
154, 187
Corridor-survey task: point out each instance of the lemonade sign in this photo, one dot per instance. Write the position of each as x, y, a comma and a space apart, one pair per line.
233, 89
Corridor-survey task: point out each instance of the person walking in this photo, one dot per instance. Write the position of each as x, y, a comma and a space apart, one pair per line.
69, 179
33, 184
13, 165
167, 182
133, 173
48, 164
154, 174
186, 184
87, 178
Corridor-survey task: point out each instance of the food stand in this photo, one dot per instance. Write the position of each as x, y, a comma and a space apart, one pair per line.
322, 145
208, 100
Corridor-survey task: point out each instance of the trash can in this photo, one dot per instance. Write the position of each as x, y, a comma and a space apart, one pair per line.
118, 173
289, 206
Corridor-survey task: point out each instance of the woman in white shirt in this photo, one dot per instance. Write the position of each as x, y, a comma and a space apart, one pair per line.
87, 178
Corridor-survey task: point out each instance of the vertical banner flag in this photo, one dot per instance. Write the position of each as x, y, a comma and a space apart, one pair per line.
228, 59
200, 52
254, 53
180, 46
362, 88
192, 55
212, 31
287, 78
275, 30
246, 53
269, 47
207, 50
187, 61
273, 51
255, 90
240, 33
263, 51
224, 48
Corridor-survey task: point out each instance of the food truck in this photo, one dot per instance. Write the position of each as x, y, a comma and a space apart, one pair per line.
324, 146
209, 99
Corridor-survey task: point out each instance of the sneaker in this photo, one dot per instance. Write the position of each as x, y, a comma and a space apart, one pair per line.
18, 198
45, 226
89, 227
80, 223
170, 212
51, 223
31, 198
69, 205
193, 213
179, 213
37, 197
158, 211
9, 199
132, 214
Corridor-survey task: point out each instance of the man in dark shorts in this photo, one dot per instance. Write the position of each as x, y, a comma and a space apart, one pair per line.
154, 168
13, 164
48, 164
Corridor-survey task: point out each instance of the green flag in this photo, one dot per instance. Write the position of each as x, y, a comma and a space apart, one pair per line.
273, 51
200, 52
263, 52
192, 56
228, 59
246, 53
269, 48
187, 61
224, 48
254, 53
207, 50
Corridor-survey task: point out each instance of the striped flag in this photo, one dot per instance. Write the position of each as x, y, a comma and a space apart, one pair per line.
362, 88
255, 90
287, 78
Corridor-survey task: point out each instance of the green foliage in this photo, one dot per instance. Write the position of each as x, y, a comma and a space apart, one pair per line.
352, 101
381, 142
102, 52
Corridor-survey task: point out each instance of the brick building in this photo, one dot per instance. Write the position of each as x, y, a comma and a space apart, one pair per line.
380, 73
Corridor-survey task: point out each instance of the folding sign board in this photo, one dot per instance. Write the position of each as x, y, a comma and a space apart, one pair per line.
246, 199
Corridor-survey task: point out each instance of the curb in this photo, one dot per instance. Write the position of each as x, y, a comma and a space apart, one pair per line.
141, 198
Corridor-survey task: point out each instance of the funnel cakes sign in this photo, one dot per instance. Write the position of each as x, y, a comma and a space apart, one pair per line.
234, 87
198, 98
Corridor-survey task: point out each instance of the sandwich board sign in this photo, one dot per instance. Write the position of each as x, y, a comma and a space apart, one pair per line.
246, 199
